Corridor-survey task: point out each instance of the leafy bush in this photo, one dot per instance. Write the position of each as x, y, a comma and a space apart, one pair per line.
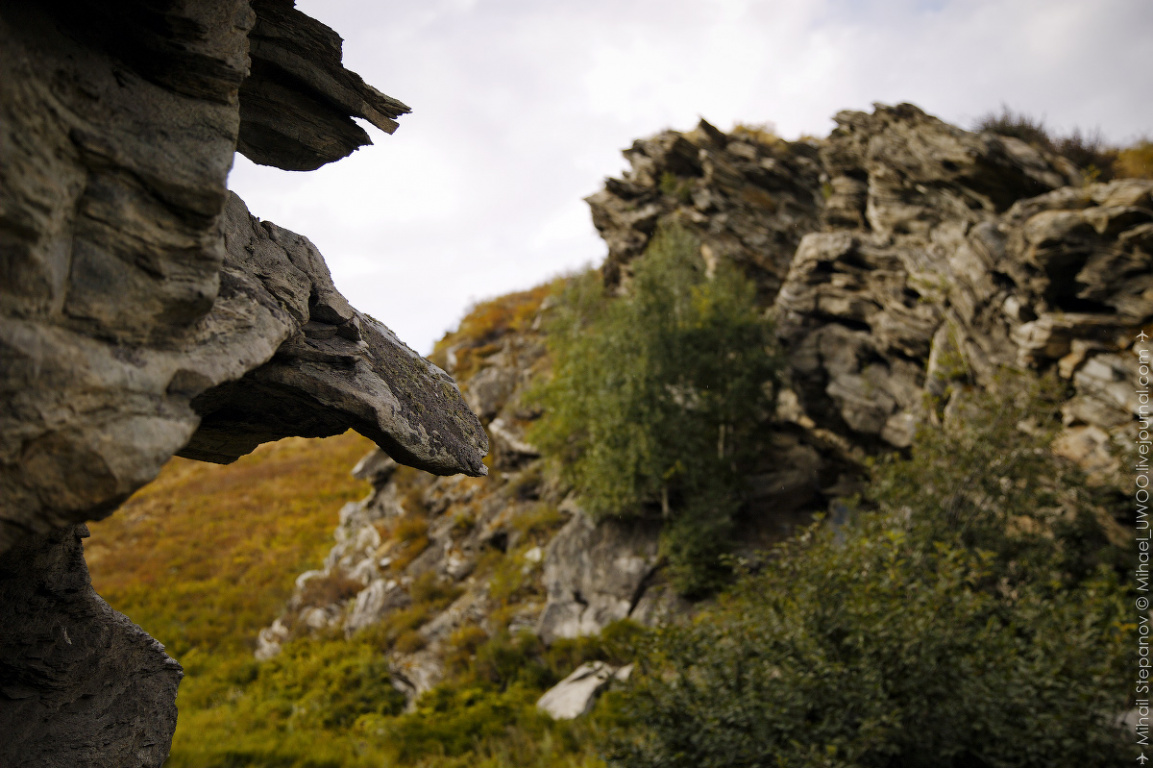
956, 624
654, 396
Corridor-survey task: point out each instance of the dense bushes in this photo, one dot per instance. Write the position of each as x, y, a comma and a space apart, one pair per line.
654, 397
965, 621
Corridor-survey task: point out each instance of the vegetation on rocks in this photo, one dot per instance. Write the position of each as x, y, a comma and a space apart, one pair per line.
964, 609
206, 556
482, 325
973, 617
655, 395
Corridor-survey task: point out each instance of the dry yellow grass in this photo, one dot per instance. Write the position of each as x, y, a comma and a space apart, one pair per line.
206, 555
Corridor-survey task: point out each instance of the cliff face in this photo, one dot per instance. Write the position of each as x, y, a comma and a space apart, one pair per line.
904, 260
145, 313
927, 242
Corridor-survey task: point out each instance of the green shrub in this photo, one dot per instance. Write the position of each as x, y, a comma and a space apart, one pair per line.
655, 396
957, 624
681, 189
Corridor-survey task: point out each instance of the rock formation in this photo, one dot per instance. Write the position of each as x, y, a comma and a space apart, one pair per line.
905, 260
145, 313
933, 255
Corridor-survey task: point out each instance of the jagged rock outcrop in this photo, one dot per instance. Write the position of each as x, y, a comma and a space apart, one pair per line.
295, 70
145, 313
133, 290
749, 196
330, 368
928, 255
904, 260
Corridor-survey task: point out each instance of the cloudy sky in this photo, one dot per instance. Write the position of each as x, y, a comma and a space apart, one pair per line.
520, 108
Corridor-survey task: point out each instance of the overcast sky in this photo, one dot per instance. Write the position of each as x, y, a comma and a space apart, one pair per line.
520, 108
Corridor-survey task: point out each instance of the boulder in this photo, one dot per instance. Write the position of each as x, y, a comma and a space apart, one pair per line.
576, 694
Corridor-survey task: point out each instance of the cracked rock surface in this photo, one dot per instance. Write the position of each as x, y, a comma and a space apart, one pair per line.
145, 313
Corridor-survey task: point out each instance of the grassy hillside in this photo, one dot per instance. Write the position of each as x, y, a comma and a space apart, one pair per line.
206, 556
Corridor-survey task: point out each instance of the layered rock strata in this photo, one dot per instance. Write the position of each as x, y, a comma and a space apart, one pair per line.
928, 254
145, 313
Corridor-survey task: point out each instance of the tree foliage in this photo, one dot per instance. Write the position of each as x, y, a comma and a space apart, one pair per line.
958, 623
655, 395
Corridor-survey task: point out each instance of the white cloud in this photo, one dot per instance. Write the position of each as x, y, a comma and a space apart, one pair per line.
521, 108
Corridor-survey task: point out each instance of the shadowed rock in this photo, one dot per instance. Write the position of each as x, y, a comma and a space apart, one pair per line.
80, 684
296, 71
337, 369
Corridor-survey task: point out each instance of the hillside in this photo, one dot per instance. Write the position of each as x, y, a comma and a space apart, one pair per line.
905, 264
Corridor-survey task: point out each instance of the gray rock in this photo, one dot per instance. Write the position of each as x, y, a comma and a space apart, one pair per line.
760, 200
146, 312
80, 684
595, 574
271, 639
376, 468
296, 70
491, 386
576, 694
374, 602
338, 369
509, 441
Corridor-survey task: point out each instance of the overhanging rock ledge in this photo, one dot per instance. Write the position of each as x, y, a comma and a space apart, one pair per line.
145, 313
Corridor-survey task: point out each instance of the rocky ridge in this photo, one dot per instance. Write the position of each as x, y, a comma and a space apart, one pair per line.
905, 260
145, 313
